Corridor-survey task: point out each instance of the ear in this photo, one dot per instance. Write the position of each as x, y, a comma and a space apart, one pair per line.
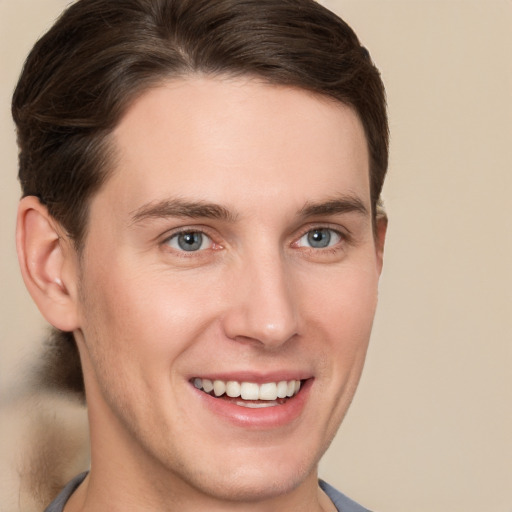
381, 227
48, 264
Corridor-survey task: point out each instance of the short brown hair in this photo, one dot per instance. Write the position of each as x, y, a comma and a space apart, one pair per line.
83, 74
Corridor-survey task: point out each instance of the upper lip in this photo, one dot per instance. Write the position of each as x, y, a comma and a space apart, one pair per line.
256, 377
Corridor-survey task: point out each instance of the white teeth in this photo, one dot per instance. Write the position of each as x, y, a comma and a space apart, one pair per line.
282, 388
233, 388
249, 391
219, 388
207, 385
267, 392
256, 405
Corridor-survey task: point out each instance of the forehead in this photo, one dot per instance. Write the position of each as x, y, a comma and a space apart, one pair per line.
236, 140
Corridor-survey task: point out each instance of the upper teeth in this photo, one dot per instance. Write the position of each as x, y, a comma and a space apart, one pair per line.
249, 390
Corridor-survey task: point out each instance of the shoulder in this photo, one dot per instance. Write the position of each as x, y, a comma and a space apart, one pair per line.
342, 502
57, 505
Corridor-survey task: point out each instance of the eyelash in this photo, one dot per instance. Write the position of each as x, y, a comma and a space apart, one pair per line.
343, 238
191, 230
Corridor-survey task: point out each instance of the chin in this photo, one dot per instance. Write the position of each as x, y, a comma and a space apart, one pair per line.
253, 486
263, 478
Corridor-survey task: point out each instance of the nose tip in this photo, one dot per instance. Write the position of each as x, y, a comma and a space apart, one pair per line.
263, 308
247, 326
274, 333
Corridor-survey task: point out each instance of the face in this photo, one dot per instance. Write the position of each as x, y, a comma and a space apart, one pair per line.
232, 249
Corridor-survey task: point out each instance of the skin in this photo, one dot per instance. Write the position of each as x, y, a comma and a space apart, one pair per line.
255, 299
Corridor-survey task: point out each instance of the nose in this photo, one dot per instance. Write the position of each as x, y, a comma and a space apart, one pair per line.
262, 306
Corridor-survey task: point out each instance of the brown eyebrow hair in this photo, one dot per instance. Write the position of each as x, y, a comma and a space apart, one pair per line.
342, 204
182, 208
199, 209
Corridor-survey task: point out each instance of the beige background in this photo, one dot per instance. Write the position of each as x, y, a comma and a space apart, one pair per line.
431, 426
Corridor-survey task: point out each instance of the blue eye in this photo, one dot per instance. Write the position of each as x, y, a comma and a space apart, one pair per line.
189, 241
320, 238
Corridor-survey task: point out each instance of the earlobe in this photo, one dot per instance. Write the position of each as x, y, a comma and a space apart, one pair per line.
45, 261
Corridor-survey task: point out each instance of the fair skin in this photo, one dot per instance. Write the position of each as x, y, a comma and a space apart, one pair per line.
233, 242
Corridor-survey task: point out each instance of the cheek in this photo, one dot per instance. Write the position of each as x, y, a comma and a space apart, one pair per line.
344, 300
340, 312
341, 317
145, 316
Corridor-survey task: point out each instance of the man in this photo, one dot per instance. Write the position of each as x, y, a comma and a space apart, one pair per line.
200, 216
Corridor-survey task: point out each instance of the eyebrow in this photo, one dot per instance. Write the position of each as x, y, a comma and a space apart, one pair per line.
182, 208
200, 209
338, 205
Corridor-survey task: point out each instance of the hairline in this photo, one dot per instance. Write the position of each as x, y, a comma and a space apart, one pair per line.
112, 151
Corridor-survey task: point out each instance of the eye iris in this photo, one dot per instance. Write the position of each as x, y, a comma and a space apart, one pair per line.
190, 241
319, 238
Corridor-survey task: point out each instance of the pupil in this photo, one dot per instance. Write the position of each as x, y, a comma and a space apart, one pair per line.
190, 241
319, 238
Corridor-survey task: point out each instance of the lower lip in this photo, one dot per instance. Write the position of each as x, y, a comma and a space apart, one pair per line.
259, 418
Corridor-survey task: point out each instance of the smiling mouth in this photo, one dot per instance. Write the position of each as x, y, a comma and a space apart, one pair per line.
250, 394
